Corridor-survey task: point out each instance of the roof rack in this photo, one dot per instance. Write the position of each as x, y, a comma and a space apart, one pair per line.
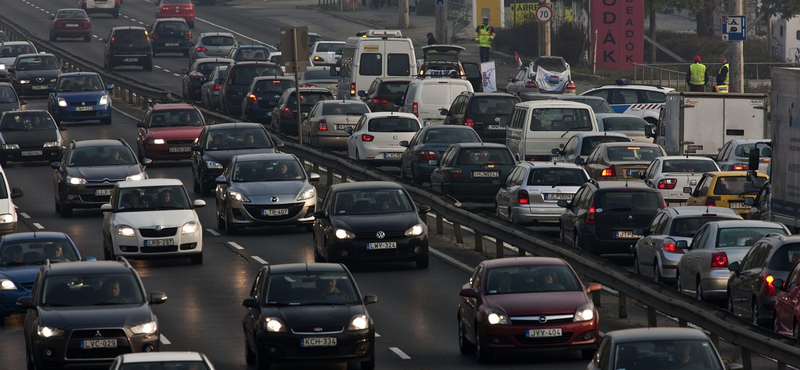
380, 33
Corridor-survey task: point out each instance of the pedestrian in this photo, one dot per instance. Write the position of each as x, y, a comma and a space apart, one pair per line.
723, 76
431, 39
484, 35
697, 77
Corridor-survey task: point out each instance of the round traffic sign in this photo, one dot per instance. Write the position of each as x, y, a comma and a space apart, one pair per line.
544, 13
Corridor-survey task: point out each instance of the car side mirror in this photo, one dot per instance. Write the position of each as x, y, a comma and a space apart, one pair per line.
250, 303
305, 115
362, 93
579, 161
649, 131
17, 192
106, 207
199, 203
110, 87
51, 17
556, 151
750, 201
55, 165
777, 283
423, 209
593, 287
468, 293
734, 267
348, 130
23, 102
220, 180
157, 297
687, 189
433, 162
682, 244
25, 302
370, 299
444, 112
404, 143
140, 124
51, 89
563, 203
313, 177
320, 214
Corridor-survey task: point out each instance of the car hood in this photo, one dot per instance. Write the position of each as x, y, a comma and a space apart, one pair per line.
224, 156
184, 132
80, 95
112, 173
305, 318
72, 318
524, 304
39, 73
9, 106
163, 218
268, 189
28, 137
8, 61
20, 274
375, 222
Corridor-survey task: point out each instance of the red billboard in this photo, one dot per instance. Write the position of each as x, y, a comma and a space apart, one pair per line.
617, 32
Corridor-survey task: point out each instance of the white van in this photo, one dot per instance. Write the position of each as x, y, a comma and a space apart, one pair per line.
426, 97
377, 53
8, 212
537, 127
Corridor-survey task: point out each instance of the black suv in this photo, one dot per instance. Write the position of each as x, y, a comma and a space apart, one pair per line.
237, 80
602, 219
126, 46
383, 92
85, 176
86, 313
487, 113
171, 35
284, 115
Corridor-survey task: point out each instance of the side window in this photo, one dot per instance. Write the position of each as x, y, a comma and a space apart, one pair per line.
569, 147
510, 179
586, 199
651, 170
655, 223
254, 288
477, 278
398, 65
326, 201
373, 87
604, 354
360, 123
517, 118
721, 154
447, 157
603, 93
371, 64
699, 240
793, 280
662, 224
593, 157
750, 259
704, 184
576, 200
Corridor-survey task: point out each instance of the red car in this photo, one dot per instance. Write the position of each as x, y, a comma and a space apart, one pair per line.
168, 131
526, 304
787, 309
176, 9
71, 23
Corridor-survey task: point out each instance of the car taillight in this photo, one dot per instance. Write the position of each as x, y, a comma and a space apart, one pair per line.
164, 8
669, 245
84, 1
352, 89
415, 109
116, 2
522, 197
154, 35
217, 87
667, 183
455, 173
609, 172
428, 155
379, 101
719, 260
86, 24
187, 35
590, 214
461, 72
740, 167
59, 24
769, 289
190, 7
367, 137
287, 113
201, 49
711, 202
253, 98
531, 85
322, 125
469, 122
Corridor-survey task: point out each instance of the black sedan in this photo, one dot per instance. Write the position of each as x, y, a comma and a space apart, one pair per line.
472, 172
304, 312
370, 221
34, 74
218, 143
29, 135
429, 144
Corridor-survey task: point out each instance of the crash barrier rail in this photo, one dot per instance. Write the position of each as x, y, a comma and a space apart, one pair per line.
674, 74
657, 297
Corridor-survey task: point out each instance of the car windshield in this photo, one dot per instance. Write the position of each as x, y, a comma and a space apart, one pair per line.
589, 143
165, 365
175, 118
785, 257
371, 201
325, 47
688, 165
310, 288
80, 83
626, 200
37, 63
668, 354
484, 156
71, 14
152, 198
260, 171
35, 251
235, 139
350, 110
737, 185
551, 64
101, 156
633, 153
445, 136
531, 279
495, 106
277, 58
8, 51
556, 177
744, 236
252, 54
135, 35
743, 150
393, 88
624, 123
273, 86
688, 226
561, 119
7, 94
218, 41
598, 105
87, 289
33, 121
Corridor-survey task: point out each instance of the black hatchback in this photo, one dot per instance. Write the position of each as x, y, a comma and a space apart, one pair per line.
128, 46
171, 35
472, 172
29, 135
487, 113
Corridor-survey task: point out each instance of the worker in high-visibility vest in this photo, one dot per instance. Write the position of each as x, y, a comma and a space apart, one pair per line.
484, 35
697, 77
723, 76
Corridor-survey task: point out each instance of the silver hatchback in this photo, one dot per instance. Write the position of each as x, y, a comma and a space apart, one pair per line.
212, 44
734, 155
532, 190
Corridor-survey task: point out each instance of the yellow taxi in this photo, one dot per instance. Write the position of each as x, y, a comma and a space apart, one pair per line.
725, 189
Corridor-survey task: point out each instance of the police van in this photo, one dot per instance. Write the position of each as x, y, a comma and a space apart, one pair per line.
643, 101
373, 54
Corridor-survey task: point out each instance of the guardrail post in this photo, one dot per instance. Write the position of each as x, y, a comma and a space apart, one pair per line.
439, 224
652, 319
478, 241
498, 248
344, 178
330, 176
596, 298
315, 167
129, 97
623, 306
781, 365
520, 252
747, 360
683, 323
457, 233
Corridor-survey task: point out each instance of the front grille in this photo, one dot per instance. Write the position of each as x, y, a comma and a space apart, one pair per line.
310, 329
255, 211
179, 142
153, 233
536, 322
312, 352
389, 235
535, 341
400, 251
164, 249
92, 334
82, 103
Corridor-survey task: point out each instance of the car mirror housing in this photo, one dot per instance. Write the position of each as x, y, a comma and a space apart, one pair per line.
749, 201
682, 244
313, 177
110, 87
199, 203
348, 130
370, 299
593, 287
579, 161
778, 284
362, 93
424, 208
17, 192
250, 303
220, 180
106, 207
195, 148
25, 302
158, 297
468, 293
734, 267
147, 161
404, 143
55, 165
563, 203
320, 214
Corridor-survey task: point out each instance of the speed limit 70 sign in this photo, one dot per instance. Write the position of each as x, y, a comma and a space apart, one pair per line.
544, 13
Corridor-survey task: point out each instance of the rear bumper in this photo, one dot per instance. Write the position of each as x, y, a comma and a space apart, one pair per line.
536, 214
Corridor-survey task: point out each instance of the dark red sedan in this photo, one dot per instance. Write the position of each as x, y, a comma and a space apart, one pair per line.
176, 9
71, 23
526, 304
168, 131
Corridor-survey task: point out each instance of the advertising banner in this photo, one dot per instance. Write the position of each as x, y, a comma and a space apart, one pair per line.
617, 31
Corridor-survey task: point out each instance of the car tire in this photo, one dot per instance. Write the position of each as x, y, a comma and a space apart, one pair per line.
148, 66
110, 65
30, 364
87, 38
464, 345
197, 259
369, 364
587, 354
636, 269
52, 37
423, 262
657, 273
480, 352
698, 293
754, 311
249, 355
66, 210
261, 362
230, 228
196, 186
416, 179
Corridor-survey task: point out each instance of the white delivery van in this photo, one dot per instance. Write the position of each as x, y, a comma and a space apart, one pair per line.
537, 127
426, 97
377, 53
8, 212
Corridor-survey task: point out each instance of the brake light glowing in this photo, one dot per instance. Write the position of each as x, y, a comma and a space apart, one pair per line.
287, 113
187, 35
367, 137
667, 183
164, 8
415, 109
379, 101
522, 197
428, 155
455, 173
711, 202
253, 98
609, 172
670, 246
154, 35
740, 167
217, 87
570, 87
322, 125
719, 260
591, 214
352, 89
201, 49
469, 122
769, 289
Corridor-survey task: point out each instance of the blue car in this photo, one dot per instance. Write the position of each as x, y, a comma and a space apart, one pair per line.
428, 144
21, 256
80, 96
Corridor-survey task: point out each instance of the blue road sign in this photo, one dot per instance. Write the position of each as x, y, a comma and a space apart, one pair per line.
734, 28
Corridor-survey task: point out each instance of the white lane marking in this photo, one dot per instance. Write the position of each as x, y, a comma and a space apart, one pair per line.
451, 260
167, 70
24, 215
237, 246
156, 65
257, 258
38, 225
164, 340
212, 232
134, 20
176, 75
235, 33
399, 353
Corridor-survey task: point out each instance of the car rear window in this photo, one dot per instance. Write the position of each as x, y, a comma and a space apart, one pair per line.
633, 153
785, 257
481, 156
688, 165
346, 109
744, 236
552, 65
736, 185
244, 75
615, 200
319, 74
336, 48
556, 177
218, 41
176, 1
274, 86
392, 88
14, 50
624, 123
129, 36
371, 64
597, 105
496, 106
589, 143
561, 119
444, 136
393, 125
206, 68
252, 54
530, 279
688, 226
72, 14
743, 150
37, 63
172, 26
308, 99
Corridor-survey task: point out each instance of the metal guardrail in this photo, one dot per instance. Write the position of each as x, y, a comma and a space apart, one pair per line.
656, 297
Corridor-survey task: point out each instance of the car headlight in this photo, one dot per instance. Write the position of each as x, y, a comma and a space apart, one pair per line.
2, 66
125, 230
213, 165
415, 230
496, 318
190, 227
62, 103
52, 80
52, 144
6, 284
584, 313
11, 146
359, 322
274, 325
47, 331
23, 82
6, 218
237, 196
146, 328
103, 100
135, 177
308, 194
76, 180
344, 234
159, 141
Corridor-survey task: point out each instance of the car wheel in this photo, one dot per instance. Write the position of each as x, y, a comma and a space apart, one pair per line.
699, 290
108, 252
29, 359
261, 362
464, 345
636, 269
148, 66
754, 320
230, 228
52, 37
66, 210
657, 273
577, 242
587, 354
197, 259
480, 352
249, 355
369, 364
87, 38
795, 331
422, 262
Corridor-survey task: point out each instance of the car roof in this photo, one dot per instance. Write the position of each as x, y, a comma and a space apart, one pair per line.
255, 62
16, 43
253, 46
633, 87
79, 74
732, 174
235, 125
524, 261
480, 145
35, 55
553, 104
262, 78
169, 106
691, 158
687, 211
542, 164
749, 141
395, 79
301, 267
733, 224
148, 182
598, 133
14, 237
577, 98
211, 60
263, 156
204, 34
309, 89
80, 267
621, 184
653, 334
163, 356
498, 94
331, 101
170, 19
373, 115
623, 143
119, 28
97, 142
366, 185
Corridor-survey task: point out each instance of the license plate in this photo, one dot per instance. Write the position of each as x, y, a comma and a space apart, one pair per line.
558, 196
342, 127
496, 127
180, 149
432, 123
81, 109
130, 60
103, 192
39, 87
738, 205
485, 173
72, 25
30, 153
382, 245
98, 343
275, 212
627, 235
392, 155
543, 333
158, 242
171, 44
319, 342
